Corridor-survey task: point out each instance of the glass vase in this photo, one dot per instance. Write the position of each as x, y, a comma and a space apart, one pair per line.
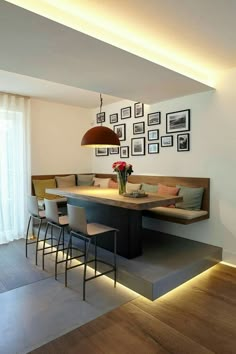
122, 180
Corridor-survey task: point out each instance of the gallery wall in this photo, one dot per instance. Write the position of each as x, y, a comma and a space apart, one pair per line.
56, 132
212, 154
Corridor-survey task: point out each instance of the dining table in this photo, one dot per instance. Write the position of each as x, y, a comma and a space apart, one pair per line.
124, 212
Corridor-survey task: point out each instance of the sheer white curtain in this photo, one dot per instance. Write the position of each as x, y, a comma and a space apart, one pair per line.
14, 166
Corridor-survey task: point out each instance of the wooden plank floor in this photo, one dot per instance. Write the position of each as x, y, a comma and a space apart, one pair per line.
198, 317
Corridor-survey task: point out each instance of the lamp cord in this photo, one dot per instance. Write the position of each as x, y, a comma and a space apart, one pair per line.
101, 104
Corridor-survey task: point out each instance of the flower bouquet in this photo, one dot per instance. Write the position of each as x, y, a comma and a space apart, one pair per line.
123, 170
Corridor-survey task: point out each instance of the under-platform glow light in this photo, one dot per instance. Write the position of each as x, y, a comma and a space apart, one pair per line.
82, 17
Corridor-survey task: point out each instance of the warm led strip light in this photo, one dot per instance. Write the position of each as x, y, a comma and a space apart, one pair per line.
76, 15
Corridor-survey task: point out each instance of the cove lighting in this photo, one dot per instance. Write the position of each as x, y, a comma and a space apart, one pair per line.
81, 16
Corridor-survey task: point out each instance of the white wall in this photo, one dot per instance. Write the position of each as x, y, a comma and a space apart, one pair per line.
212, 154
56, 132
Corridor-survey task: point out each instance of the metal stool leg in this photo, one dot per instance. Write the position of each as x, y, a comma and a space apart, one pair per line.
27, 236
95, 254
67, 256
85, 267
44, 243
57, 250
37, 242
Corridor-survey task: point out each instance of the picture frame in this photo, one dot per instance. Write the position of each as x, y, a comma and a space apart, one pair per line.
138, 110
137, 146
153, 134
153, 148
183, 142
120, 130
167, 140
114, 150
178, 121
100, 117
125, 112
124, 152
138, 128
101, 151
154, 118
113, 118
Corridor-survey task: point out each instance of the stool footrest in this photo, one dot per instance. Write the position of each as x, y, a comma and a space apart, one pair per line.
99, 275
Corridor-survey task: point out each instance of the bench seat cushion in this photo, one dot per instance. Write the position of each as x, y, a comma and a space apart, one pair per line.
179, 213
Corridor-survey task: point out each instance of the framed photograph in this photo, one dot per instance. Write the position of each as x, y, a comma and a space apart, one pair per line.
125, 112
101, 151
153, 148
153, 134
100, 117
183, 142
138, 110
178, 121
113, 118
167, 140
137, 146
138, 128
114, 150
154, 118
124, 152
120, 130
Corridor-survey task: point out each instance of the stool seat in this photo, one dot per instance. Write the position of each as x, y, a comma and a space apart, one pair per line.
96, 229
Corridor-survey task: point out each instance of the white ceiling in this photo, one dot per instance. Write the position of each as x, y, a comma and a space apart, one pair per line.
200, 33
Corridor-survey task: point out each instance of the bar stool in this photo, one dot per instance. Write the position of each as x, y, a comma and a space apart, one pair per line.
54, 219
87, 232
35, 214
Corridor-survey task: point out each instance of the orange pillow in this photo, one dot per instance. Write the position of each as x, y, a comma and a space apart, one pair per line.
166, 190
112, 184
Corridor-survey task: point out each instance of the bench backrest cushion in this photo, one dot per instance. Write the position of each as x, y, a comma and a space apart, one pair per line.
192, 198
101, 182
65, 181
41, 185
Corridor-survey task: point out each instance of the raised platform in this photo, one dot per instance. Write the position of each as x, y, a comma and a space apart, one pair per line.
167, 262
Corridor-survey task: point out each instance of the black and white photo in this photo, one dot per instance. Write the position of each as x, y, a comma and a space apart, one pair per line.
100, 117
120, 130
138, 110
167, 140
124, 152
183, 142
153, 148
114, 150
138, 128
113, 118
154, 118
101, 151
153, 134
137, 146
125, 112
178, 121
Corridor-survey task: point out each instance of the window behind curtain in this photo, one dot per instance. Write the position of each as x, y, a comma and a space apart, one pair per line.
13, 168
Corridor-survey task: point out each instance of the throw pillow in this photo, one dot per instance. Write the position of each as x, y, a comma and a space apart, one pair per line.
149, 188
65, 181
103, 182
167, 190
85, 180
112, 184
192, 198
40, 185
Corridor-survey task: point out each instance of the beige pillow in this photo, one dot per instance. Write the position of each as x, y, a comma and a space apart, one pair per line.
102, 182
65, 181
131, 187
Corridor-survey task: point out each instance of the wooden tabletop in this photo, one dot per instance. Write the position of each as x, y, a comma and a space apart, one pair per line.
111, 196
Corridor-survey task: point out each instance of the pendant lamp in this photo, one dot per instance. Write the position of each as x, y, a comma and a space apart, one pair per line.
100, 136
